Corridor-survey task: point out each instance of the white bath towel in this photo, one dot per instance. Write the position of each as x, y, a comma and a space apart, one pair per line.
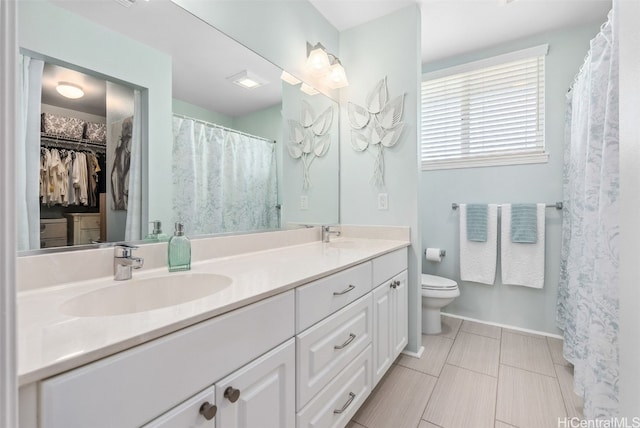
478, 259
522, 264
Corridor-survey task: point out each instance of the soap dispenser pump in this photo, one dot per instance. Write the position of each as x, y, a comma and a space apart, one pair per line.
179, 250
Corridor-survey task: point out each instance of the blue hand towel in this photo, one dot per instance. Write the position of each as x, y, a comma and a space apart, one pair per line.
477, 215
524, 223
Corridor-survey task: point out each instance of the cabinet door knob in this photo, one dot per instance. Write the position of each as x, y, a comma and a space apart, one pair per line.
232, 394
208, 410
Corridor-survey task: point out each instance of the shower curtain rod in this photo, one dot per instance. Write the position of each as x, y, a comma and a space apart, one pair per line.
556, 205
224, 127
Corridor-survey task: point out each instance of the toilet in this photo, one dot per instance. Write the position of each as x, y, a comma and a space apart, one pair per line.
437, 292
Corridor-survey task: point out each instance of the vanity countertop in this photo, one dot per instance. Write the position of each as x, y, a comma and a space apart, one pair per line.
50, 342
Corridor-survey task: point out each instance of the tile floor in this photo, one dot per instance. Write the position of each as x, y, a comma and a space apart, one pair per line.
474, 375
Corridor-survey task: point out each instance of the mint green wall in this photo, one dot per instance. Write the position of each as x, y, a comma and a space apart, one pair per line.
56, 33
195, 112
505, 304
389, 46
265, 123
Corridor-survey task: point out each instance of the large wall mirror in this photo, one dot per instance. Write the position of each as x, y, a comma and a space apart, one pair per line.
165, 130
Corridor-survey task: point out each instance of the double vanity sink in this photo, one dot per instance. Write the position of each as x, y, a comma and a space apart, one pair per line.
174, 334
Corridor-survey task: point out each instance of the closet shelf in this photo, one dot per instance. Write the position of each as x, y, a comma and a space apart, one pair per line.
58, 141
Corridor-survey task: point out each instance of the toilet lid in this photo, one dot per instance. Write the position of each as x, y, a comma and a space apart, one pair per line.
433, 282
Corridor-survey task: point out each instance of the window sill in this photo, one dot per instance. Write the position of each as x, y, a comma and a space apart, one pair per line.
478, 162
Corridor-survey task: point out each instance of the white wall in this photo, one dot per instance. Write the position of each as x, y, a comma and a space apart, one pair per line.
77, 42
389, 46
511, 305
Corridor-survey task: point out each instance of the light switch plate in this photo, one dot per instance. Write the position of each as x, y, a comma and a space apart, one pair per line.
304, 202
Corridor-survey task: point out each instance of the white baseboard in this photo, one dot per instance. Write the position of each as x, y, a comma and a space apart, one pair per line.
510, 327
414, 354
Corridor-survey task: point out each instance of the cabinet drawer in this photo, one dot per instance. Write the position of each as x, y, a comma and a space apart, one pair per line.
49, 243
187, 414
87, 236
328, 347
335, 405
141, 383
90, 222
321, 298
388, 266
56, 229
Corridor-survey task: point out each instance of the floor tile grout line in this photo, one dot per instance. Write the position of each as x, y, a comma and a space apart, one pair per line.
564, 399
531, 371
473, 370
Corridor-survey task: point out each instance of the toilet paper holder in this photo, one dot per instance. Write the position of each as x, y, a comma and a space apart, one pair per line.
442, 253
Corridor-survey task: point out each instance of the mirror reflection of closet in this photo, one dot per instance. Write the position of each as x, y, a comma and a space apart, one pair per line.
85, 148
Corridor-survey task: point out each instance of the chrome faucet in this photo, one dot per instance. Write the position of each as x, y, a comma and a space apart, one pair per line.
124, 262
327, 232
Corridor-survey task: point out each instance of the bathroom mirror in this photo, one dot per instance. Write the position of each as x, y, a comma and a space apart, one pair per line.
181, 66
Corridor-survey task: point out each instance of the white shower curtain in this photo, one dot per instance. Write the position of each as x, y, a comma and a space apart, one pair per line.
587, 310
223, 181
28, 154
133, 227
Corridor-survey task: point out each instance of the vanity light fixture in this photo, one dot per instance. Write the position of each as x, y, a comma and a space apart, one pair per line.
309, 90
247, 80
292, 80
69, 90
337, 77
323, 64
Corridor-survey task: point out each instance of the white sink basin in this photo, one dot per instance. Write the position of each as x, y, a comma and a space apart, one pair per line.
140, 295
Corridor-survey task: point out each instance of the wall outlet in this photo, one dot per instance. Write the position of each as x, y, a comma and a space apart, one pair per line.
383, 201
304, 202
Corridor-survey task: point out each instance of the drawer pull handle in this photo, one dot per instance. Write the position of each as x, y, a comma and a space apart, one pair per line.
232, 394
345, 291
208, 410
349, 340
351, 397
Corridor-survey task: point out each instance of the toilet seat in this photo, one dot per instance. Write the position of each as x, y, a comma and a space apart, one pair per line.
433, 282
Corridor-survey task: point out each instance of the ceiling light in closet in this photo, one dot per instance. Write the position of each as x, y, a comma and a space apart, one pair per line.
69, 90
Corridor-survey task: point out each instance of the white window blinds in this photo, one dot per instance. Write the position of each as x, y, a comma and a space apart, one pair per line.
489, 112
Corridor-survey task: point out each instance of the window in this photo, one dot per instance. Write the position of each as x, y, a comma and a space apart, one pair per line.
488, 112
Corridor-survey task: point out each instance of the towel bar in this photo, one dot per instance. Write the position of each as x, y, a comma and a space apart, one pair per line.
556, 205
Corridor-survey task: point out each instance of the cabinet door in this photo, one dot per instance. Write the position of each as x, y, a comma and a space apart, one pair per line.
382, 330
400, 315
261, 394
188, 414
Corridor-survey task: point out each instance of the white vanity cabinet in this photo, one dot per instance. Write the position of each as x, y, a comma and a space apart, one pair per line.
303, 358
133, 387
390, 311
262, 393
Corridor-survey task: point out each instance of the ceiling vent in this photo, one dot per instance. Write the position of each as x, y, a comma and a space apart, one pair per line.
125, 3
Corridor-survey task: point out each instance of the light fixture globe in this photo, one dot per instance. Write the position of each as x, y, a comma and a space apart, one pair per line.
337, 77
318, 61
69, 90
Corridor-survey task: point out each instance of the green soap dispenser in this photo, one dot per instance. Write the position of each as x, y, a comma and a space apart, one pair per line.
156, 235
179, 250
